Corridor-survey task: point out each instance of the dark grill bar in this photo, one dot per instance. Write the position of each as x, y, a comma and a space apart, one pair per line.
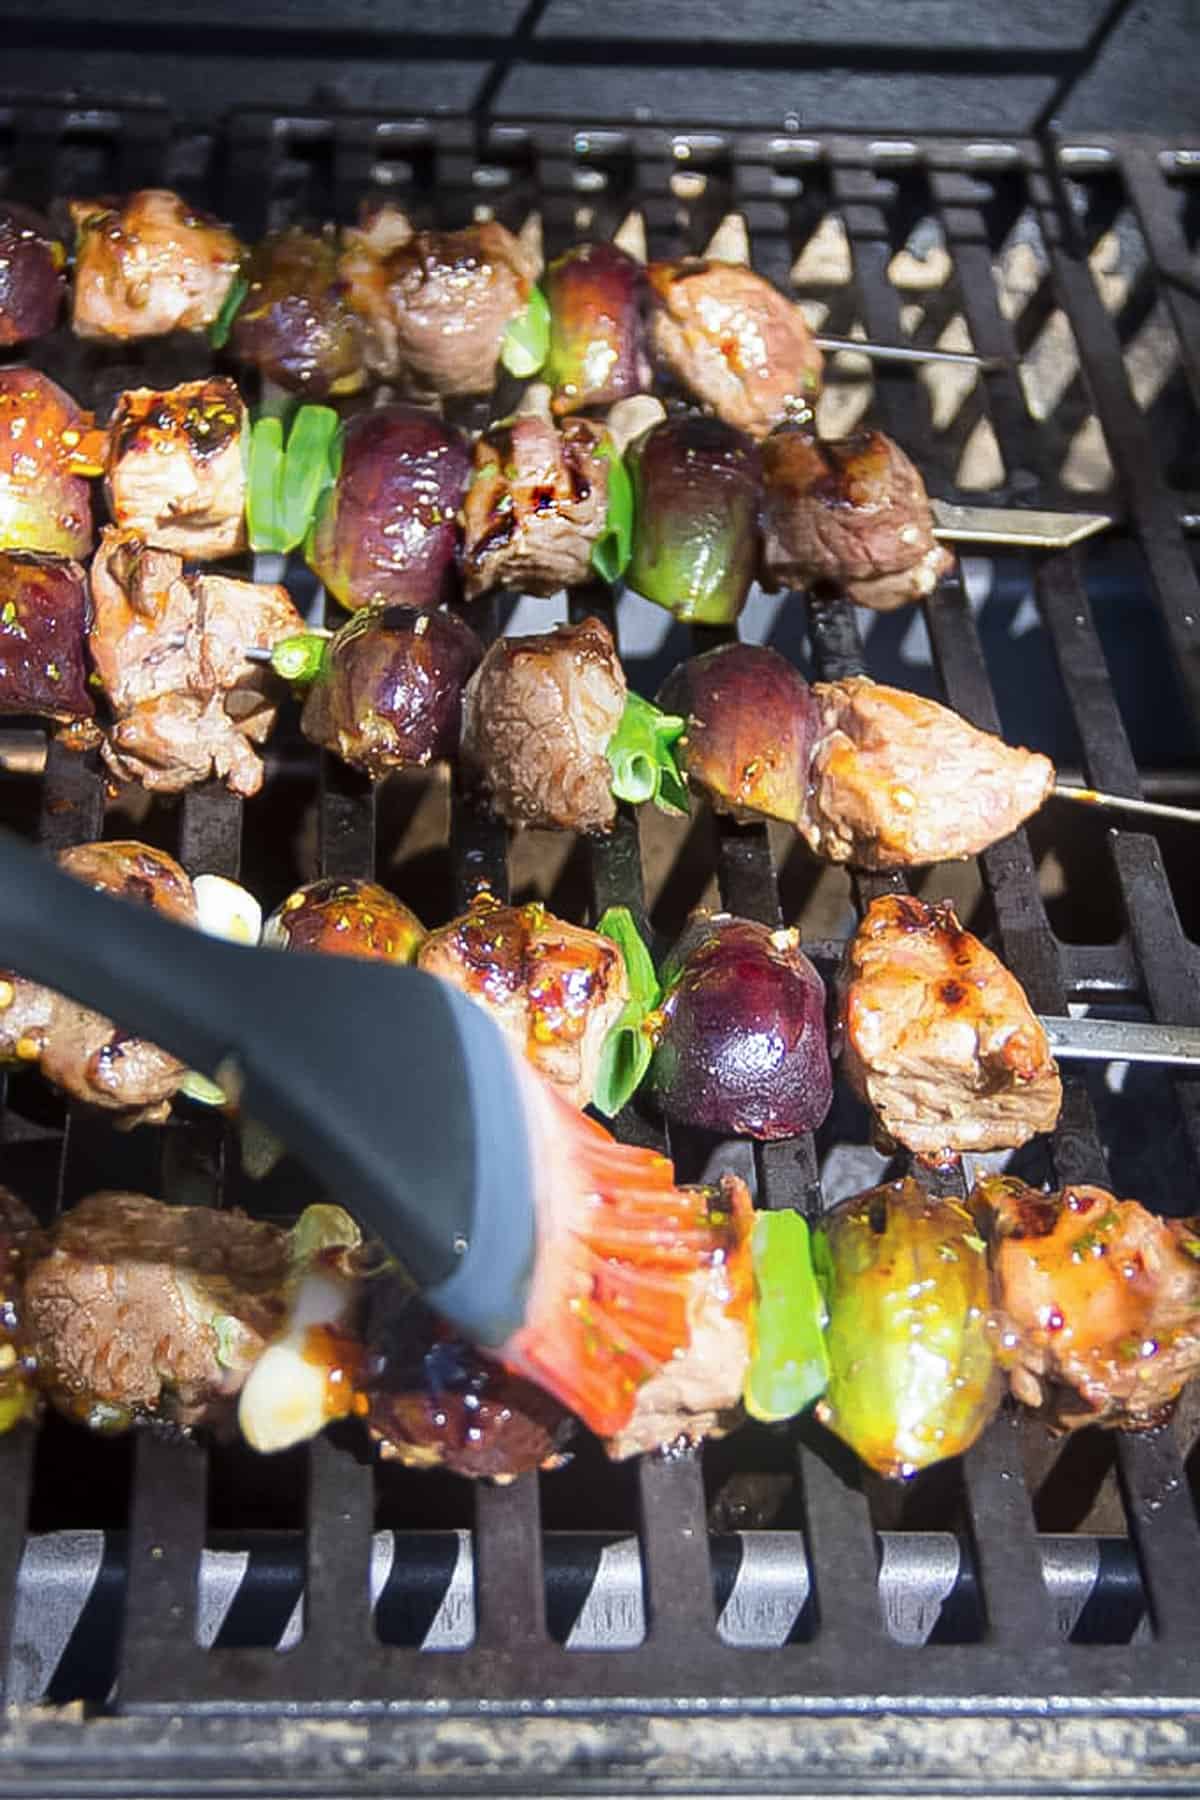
437, 1643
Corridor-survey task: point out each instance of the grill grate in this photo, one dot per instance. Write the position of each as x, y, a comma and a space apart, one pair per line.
1007, 1618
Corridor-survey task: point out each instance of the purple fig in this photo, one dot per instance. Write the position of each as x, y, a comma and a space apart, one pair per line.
44, 619
596, 295
32, 282
44, 505
696, 494
295, 323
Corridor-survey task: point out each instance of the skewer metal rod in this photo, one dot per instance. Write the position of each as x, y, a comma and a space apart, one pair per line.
1124, 1040
1156, 809
907, 353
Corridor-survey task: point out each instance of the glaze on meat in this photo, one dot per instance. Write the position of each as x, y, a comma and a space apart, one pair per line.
151, 265
176, 474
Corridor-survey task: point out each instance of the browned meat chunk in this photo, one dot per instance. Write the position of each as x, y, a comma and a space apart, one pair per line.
698, 1393
535, 507
436, 303
44, 618
139, 1310
540, 712
897, 781
176, 467
296, 323
736, 342
81, 1052
939, 1037
1099, 1301
853, 513
342, 917
32, 274
554, 989
437, 1402
170, 650
20, 1241
152, 265
44, 505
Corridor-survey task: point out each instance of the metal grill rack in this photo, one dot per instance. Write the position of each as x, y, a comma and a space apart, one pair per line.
1061, 1655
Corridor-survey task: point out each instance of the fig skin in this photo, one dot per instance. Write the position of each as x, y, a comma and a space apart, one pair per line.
45, 615
295, 323
390, 691
343, 917
597, 299
697, 494
913, 1375
43, 507
741, 1046
387, 532
32, 278
752, 725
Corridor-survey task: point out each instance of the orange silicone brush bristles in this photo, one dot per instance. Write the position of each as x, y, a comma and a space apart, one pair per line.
619, 1247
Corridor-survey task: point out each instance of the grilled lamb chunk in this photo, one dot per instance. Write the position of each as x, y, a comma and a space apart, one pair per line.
32, 279
81, 1052
141, 1311
540, 712
170, 650
897, 781
735, 341
438, 1402
536, 504
1099, 1302
176, 467
554, 989
44, 619
148, 266
436, 303
853, 513
296, 323
20, 1241
939, 1037
698, 1394
44, 505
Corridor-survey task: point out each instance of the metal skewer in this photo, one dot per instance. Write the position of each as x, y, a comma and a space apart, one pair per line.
1014, 526
1121, 1040
1157, 809
907, 353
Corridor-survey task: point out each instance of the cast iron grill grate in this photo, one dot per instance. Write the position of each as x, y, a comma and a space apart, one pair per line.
161, 1577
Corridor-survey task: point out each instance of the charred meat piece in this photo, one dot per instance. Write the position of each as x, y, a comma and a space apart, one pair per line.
141, 1311
1099, 1302
751, 729
20, 1241
536, 505
741, 1044
32, 279
897, 781
171, 652
540, 712
44, 619
149, 266
387, 530
342, 917
44, 506
176, 467
438, 1402
735, 342
596, 294
939, 1038
389, 694
81, 1052
696, 494
697, 1393
296, 324
437, 302
852, 513
554, 989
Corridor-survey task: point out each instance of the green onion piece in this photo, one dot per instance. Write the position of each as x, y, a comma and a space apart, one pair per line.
222, 325
790, 1365
306, 468
526, 342
641, 758
322, 1227
204, 1092
626, 1051
299, 659
264, 488
612, 550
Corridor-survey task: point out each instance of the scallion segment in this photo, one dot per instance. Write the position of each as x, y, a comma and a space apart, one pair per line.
285, 486
299, 659
642, 760
626, 1052
612, 550
526, 341
264, 487
790, 1365
222, 325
